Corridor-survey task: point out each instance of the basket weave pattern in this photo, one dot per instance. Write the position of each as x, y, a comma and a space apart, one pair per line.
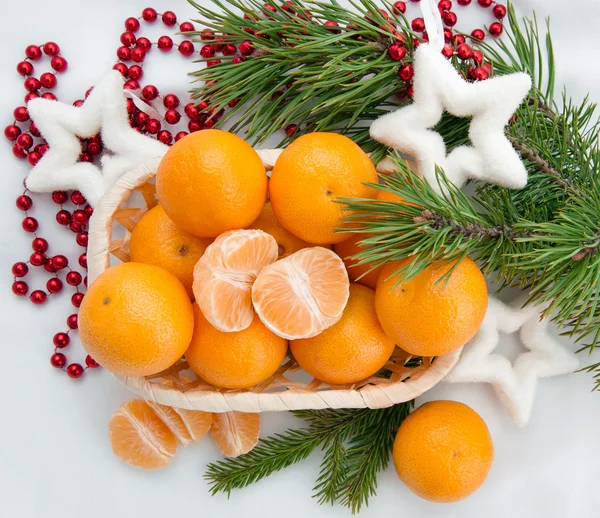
403, 377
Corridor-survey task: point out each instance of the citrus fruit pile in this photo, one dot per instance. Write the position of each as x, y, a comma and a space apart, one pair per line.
233, 270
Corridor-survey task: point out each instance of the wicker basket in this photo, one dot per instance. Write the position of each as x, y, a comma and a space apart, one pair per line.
290, 388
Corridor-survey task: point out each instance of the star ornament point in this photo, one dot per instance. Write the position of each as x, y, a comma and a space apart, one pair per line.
104, 112
490, 104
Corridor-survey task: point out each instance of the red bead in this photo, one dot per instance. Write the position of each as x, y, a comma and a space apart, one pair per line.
291, 130
484, 3
194, 126
418, 25
141, 118
90, 362
123, 53
72, 321
24, 202
478, 56
153, 126
89, 91
128, 38
59, 63
85, 157
246, 48
135, 72
60, 340
150, 92
477, 34
37, 259
458, 39
169, 18
487, 67
233, 103
54, 285
219, 43
82, 239
33, 52
332, 26
38, 297
191, 111
464, 2
74, 278
171, 101
144, 43
41, 149
80, 216
39, 244
49, 266
18, 152
32, 84
165, 43
77, 198
397, 52
60, 262
51, 49
74, 370
132, 24
444, 5
63, 217
209, 123
48, 80
238, 59
20, 269
165, 137
76, 299
207, 51
172, 116
186, 48
76, 227
186, 27
499, 11
399, 8
450, 19
180, 135
138, 55
213, 62
480, 74
495, 29
12, 132
149, 15
132, 84
78, 103
89, 210
59, 197
33, 129
25, 68
229, 49
30, 224
58, 360
50, 96
207, 35
447, 51
447, 35
20, 288
94, 148
464, 51
30, 95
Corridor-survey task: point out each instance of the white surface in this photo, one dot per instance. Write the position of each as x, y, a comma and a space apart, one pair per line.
55, 458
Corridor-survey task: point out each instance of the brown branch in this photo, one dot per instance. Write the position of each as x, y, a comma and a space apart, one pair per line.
590, 248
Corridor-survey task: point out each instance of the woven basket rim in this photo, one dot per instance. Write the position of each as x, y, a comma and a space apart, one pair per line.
217, 400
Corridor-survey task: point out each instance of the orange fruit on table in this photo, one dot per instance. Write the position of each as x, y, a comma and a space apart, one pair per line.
235, 433
303, 294
287, 243
235, 360
211, 181
309, 175
187, 425
224, 275
157, 240
136, 319
351, 350
443, 451
426, 317
139, 437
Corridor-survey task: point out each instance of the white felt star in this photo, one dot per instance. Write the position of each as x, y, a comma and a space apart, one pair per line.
104, 111
514, 384
438, 88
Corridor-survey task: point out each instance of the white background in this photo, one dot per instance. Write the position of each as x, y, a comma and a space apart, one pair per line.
55, 457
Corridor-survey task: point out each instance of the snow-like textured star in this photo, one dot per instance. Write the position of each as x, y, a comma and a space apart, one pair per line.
491, 103
104, 111
514, 384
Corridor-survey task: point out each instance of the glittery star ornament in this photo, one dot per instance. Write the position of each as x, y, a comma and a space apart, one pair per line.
514, 383
104, 111
438, 87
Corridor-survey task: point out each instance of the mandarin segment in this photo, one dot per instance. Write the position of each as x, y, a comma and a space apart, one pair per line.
139, 437
307, 178
211, 181
351, 350
136, 319
224, 275
235, 433
443, 451
157, 240
187, 425
303, 294
234, 360
428, 315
